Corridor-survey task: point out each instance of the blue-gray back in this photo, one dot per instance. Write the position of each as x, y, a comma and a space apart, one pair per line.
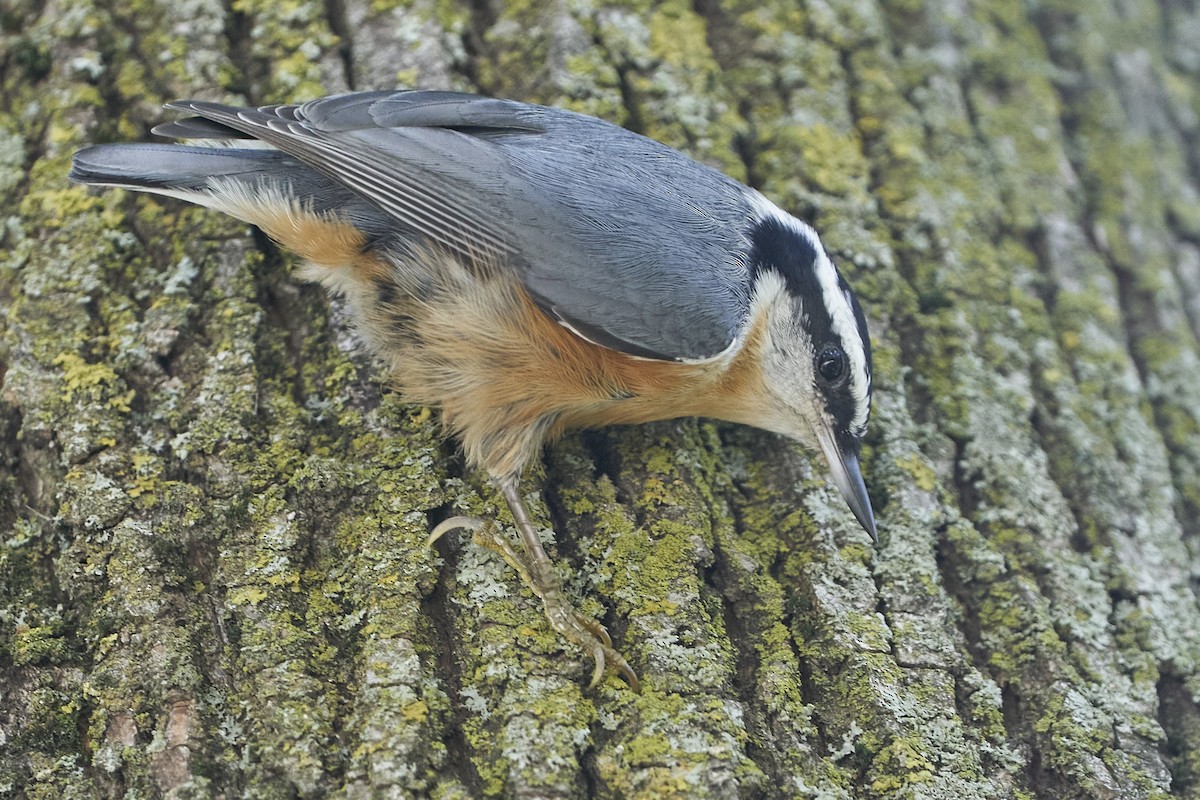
626, 240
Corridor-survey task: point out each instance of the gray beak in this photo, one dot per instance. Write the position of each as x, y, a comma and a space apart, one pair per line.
846, 474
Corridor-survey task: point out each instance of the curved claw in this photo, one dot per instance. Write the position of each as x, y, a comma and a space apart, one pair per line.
598, 630
598, 670
606, 656
630, 677
471, 524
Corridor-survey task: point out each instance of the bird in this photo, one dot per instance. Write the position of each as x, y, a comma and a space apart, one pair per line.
528, 270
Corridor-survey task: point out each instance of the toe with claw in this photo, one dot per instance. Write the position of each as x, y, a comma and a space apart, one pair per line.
538, 573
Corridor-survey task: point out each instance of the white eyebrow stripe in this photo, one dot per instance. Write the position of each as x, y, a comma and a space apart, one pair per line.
846, 327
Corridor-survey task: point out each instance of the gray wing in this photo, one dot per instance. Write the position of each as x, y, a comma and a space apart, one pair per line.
626, 241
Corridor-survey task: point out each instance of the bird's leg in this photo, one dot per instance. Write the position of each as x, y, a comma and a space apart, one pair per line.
538, 573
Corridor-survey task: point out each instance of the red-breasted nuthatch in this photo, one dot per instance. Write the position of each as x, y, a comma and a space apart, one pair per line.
530, 269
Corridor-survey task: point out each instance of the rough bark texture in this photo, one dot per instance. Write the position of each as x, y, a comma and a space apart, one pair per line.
213, 578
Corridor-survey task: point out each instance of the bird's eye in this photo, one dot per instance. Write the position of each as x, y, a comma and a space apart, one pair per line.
831, 364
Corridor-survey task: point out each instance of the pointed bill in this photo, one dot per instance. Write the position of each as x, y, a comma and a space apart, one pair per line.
846, 474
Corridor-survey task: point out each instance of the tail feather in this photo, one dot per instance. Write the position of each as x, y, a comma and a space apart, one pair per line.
289, 200
177, 168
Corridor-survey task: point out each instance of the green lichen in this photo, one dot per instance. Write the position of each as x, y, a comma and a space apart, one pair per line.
95, 382
905, 765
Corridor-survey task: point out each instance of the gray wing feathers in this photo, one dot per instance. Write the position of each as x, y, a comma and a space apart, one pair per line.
454, 110
197, 128
642, 244
627, 241
416, 175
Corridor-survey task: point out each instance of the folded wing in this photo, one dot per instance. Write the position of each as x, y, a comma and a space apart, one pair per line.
624, 240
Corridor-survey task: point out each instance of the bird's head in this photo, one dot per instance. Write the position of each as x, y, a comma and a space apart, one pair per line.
813, 349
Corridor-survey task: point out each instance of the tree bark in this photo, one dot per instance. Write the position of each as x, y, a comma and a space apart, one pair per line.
214, 580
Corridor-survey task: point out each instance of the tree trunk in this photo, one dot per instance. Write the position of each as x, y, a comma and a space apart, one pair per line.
214, 580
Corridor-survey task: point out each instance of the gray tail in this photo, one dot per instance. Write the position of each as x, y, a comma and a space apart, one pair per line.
176, 168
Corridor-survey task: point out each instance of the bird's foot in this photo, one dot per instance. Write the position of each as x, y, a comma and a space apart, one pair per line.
542, 579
